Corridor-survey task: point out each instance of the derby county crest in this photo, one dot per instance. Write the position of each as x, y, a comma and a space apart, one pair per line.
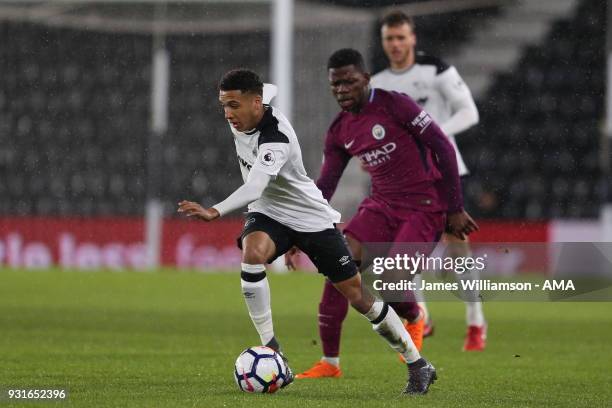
378, 132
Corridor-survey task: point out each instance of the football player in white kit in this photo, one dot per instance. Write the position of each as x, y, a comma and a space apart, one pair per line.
286, 209
441, 91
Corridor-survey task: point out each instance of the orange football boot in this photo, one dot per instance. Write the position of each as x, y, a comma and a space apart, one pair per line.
321, 369
416, 330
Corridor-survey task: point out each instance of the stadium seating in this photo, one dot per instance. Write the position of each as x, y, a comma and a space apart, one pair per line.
535, 153
74, 120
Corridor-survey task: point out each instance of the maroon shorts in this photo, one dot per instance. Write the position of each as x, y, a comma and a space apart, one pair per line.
377, 222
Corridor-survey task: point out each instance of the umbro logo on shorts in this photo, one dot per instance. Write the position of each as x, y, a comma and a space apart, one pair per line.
344, 260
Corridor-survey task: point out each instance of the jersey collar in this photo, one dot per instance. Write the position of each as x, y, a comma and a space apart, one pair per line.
266, 119
400, 71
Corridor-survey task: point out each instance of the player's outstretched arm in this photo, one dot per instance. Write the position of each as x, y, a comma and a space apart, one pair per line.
195, 210
245, 194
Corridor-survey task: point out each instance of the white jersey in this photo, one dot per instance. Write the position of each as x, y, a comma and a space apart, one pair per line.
433, 85
291, 197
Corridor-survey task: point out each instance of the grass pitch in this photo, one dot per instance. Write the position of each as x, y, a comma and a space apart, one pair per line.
170, 339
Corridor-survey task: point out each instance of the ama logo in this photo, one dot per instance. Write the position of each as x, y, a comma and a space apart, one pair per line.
551, 284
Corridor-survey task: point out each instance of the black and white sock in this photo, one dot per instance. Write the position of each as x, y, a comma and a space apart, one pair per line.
388, 325
256, 292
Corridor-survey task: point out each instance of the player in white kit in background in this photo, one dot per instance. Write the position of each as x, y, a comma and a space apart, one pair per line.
441, 91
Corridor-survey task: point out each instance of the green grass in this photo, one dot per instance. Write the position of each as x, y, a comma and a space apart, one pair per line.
170, 339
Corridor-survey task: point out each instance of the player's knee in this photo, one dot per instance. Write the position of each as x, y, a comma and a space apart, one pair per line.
257, 248
254, 254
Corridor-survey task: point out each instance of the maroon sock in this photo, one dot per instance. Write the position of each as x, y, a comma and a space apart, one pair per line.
408, 308
332, 312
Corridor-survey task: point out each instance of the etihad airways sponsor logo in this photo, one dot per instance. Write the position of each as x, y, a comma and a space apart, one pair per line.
378, 156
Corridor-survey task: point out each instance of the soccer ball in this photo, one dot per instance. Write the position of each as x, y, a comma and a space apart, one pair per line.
260, 369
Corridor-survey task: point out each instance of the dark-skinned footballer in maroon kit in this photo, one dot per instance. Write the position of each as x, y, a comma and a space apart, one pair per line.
416, 191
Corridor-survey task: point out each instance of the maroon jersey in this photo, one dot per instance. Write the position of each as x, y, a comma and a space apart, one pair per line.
410, 161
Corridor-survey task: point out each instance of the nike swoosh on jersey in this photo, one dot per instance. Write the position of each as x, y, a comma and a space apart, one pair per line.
349, 144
